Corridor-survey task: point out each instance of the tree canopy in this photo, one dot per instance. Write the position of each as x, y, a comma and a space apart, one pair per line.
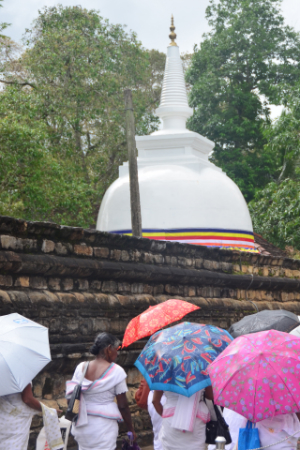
68, 83
246, 62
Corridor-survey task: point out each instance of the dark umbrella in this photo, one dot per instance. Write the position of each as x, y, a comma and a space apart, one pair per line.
278, 319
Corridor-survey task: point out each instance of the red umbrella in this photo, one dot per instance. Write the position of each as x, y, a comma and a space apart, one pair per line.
155, 318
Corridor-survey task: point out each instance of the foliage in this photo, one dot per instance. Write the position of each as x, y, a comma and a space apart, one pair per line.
275, 209
73, 74
248, 53
34, 182
275, 213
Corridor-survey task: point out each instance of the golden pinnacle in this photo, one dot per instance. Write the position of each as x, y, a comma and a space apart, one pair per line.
172, 35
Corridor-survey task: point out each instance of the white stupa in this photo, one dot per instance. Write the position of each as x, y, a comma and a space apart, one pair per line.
184, 197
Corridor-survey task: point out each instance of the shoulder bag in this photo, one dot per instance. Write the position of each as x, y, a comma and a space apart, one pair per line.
74, 402
215, 428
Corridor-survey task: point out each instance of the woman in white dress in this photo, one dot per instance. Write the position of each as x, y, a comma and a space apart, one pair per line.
278, 431
97, 424
16, 412
184, 419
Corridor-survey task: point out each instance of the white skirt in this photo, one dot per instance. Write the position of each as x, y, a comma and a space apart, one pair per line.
98, 434
174, 439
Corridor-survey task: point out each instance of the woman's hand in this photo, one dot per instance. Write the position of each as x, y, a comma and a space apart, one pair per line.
125, 412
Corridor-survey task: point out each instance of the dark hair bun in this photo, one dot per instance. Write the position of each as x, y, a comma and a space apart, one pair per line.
102, 341
94, 350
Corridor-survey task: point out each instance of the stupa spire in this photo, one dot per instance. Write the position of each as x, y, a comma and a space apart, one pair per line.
173, 109
172, 35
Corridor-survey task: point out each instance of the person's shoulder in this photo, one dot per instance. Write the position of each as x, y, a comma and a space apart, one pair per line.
78, 371
119, 369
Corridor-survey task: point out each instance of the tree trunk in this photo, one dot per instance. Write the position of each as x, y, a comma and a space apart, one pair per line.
135, 206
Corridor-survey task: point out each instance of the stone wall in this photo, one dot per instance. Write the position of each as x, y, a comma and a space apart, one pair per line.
80, 282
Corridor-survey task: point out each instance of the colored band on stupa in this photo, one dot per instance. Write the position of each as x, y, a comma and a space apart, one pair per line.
230, 239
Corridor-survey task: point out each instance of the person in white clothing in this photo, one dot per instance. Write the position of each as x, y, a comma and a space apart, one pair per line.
16, 412
97, 424
156, 420
282, 431
183, 419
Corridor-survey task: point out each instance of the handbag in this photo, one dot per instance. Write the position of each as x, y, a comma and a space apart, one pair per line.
215, 428
141, 395
128, 444
248, 437
74, 402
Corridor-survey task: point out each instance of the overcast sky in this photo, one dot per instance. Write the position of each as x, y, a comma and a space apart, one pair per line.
150, 19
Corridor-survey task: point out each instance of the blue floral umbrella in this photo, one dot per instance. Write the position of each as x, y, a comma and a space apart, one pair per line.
176, 359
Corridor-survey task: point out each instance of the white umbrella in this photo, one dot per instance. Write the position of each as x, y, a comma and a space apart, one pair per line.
24, 351
296, 331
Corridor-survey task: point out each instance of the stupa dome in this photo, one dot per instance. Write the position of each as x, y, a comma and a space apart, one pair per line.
184, 197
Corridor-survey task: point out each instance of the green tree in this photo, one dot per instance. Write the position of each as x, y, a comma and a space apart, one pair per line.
275, 209
245, 63
75, 69
275, 213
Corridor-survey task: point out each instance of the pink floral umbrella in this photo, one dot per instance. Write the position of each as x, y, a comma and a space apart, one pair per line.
258, 375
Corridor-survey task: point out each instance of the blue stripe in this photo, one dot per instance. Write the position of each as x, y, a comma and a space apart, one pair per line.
185, 230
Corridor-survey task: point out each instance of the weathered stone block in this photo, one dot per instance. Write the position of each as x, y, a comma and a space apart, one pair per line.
216, 265
37, 282
174, 290
199, 263
62, 403
11, 243
266, 271
4, 298
284, 296
83, 284
116, 254
226, 267
54, 283
101, 252
125, 255
67, 284
171, 260
158, 289
124, 287
48, 246
96, 285
83, 249
189, 291
137, 288
236, 268
148, 289
158, 259
62, 249
21, 282
147, 258
6, 280
109, 286
137, 255
208, 265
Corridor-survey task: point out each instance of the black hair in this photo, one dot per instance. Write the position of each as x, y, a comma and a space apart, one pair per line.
102, 341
